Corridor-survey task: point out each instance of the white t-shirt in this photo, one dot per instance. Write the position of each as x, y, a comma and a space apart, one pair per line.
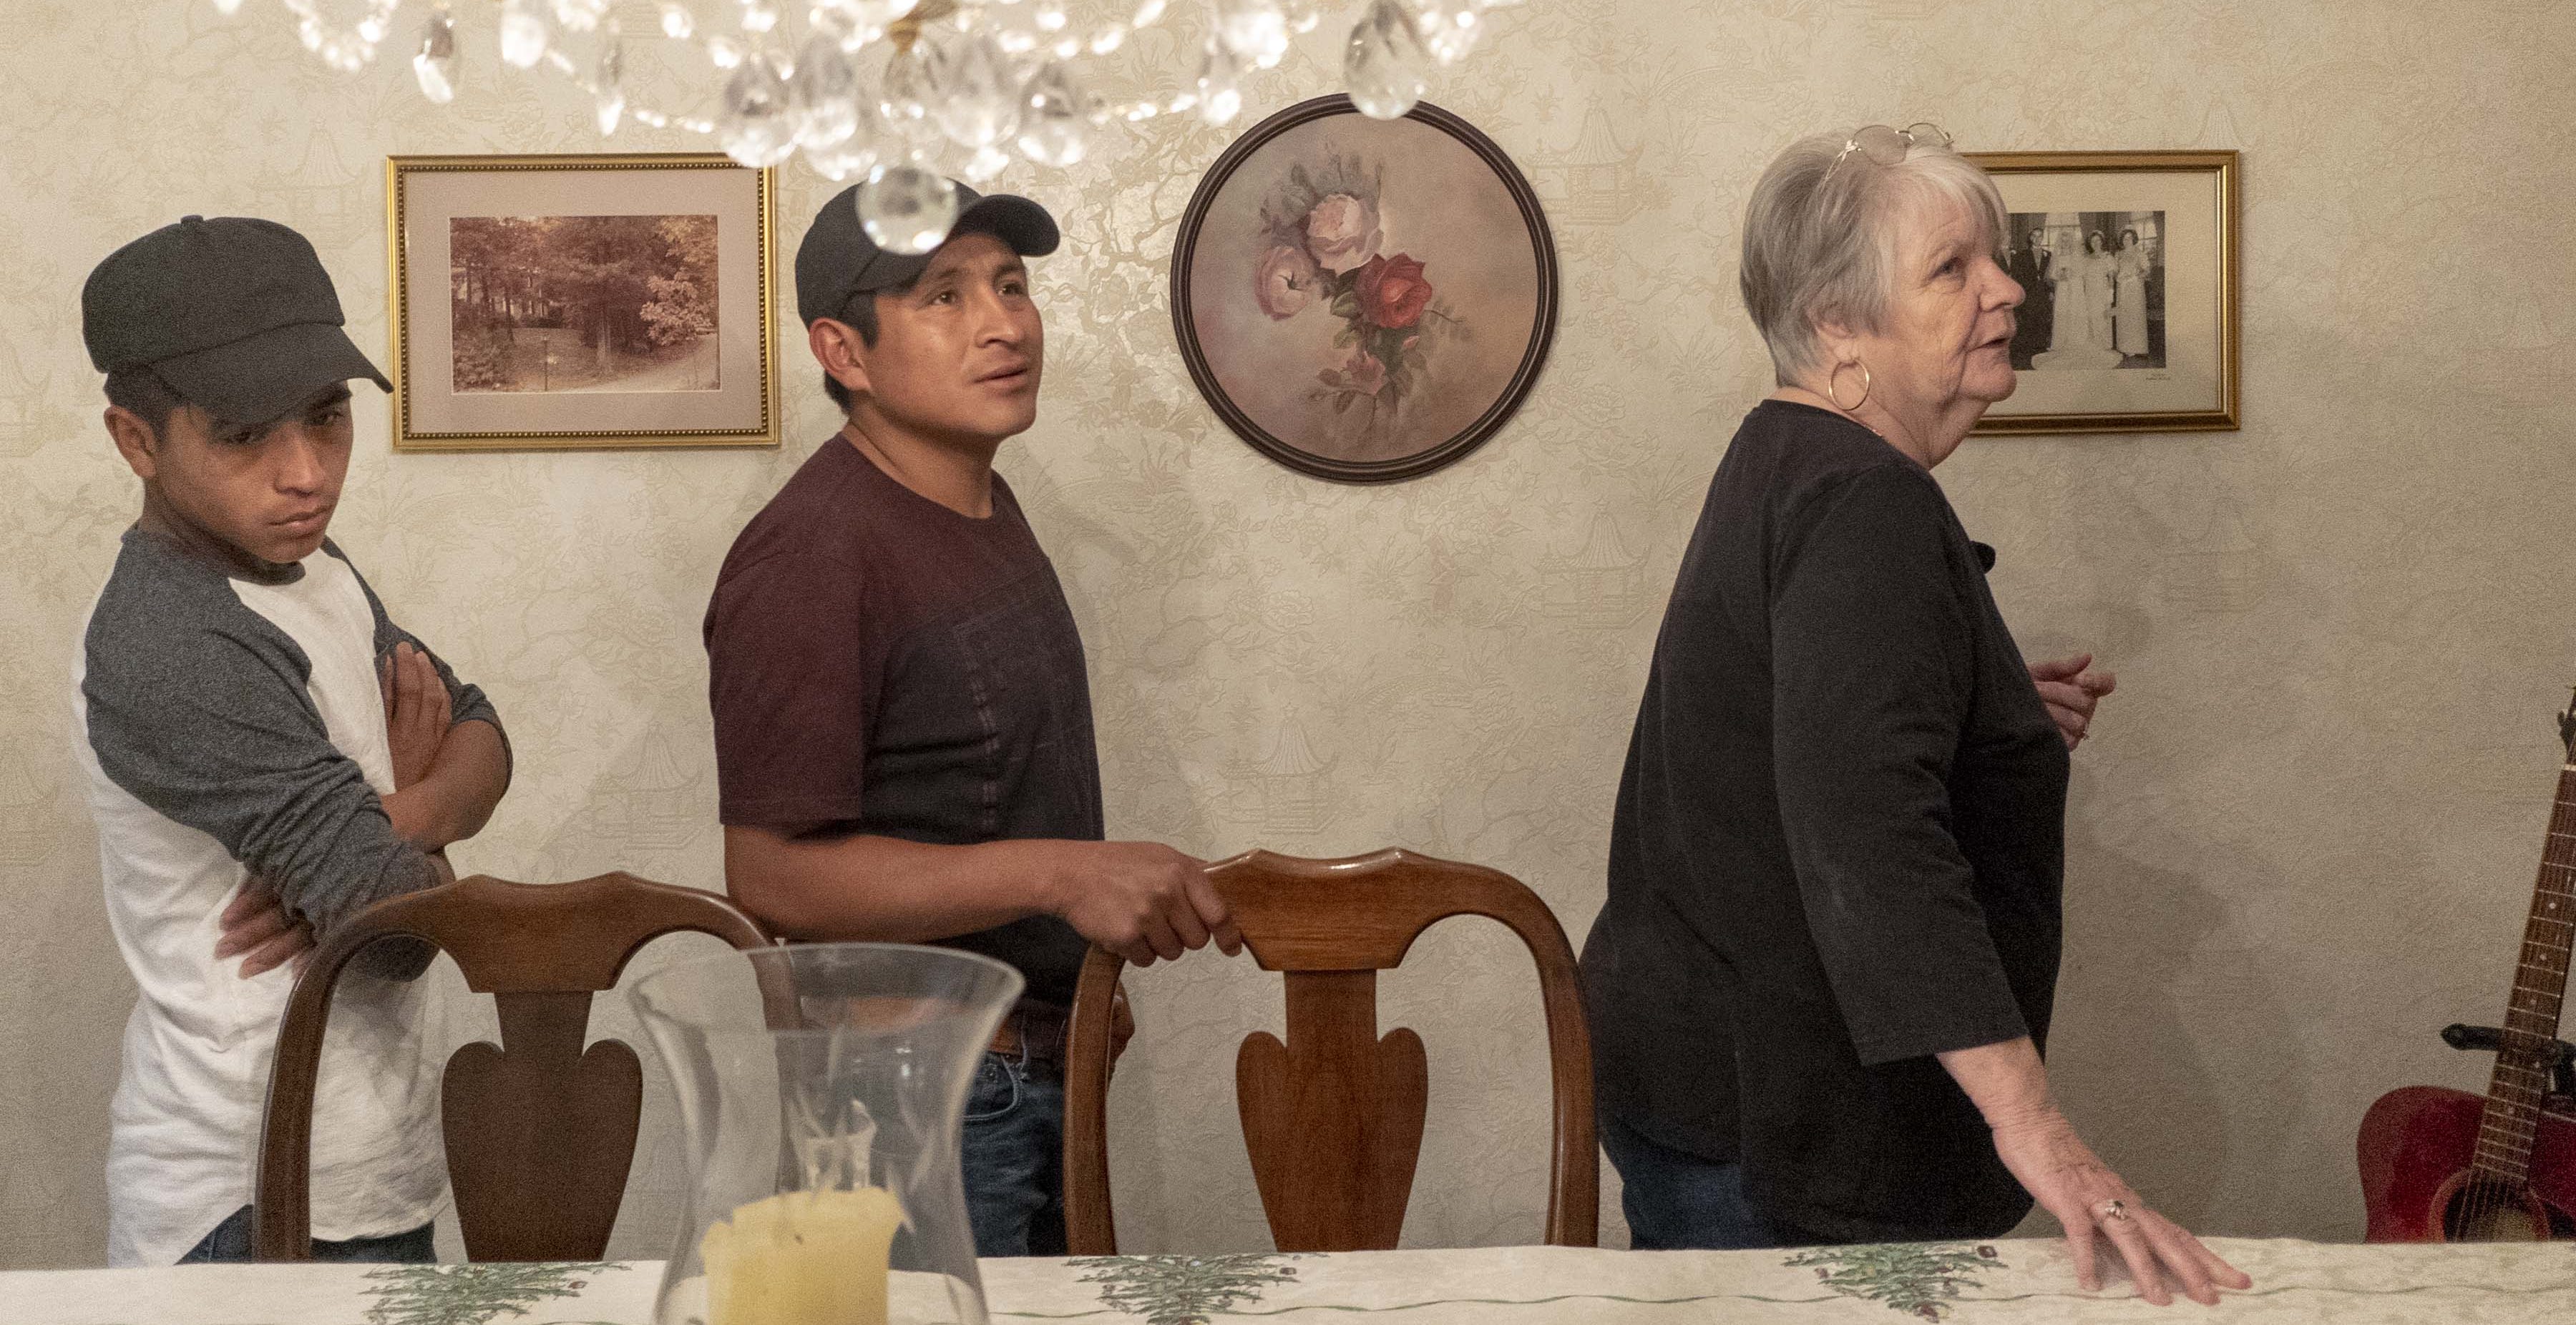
227, 726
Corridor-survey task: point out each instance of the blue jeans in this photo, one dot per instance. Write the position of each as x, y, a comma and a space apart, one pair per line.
1677, 1201
230, 1243
1014, 1159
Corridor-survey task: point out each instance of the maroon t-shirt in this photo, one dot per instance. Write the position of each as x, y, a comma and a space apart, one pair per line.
879, 663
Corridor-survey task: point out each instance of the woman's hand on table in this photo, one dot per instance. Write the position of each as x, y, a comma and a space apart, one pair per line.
2009, 1085
2071, 692
2071, 1182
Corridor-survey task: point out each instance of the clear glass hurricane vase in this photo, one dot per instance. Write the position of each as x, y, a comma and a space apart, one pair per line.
822, 1088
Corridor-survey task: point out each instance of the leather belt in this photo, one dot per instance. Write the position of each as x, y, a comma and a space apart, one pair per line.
1036, 1030
1043, 1031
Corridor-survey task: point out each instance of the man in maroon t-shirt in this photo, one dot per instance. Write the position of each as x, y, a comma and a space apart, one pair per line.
903, 721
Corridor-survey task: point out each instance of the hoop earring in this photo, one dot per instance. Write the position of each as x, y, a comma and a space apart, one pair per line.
1836, 376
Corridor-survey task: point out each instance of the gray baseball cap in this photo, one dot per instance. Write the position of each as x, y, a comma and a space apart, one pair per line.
234, 313
836, 259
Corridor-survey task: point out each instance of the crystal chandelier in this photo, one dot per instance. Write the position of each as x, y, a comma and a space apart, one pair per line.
883, 90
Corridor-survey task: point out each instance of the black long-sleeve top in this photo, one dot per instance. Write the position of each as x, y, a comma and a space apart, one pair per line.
1838, 849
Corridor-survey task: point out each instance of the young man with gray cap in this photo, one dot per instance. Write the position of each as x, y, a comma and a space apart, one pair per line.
903, 721
266, 753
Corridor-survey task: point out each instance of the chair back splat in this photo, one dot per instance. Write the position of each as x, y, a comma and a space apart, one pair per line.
540, 1133
1333, 1116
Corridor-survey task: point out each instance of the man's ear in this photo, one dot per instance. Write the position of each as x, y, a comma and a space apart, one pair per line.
134, 441
837, 347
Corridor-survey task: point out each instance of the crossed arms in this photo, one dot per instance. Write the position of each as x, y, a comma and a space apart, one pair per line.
448, 776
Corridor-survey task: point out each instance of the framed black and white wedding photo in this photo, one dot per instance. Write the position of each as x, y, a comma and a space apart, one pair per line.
2128, 263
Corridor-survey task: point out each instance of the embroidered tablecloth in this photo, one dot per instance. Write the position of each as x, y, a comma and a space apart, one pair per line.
1996, 1283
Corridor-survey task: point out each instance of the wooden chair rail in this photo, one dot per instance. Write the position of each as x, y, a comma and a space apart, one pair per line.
1333, 1116
540, 1132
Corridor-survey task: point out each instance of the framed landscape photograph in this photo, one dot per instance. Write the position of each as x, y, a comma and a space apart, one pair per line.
2127, 261
1364, 300
581, 301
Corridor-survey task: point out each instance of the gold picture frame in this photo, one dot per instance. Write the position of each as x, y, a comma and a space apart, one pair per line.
2130, 320
589, 302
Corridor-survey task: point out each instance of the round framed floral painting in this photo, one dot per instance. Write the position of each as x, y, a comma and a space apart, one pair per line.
1364, 300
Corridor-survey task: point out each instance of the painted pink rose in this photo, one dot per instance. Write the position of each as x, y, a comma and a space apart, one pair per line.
1342, 232
1286, 281
1362, 372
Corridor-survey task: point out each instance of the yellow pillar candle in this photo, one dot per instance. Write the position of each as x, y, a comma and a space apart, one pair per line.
802, 1258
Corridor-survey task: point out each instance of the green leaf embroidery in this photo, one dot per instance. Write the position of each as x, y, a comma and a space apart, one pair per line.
1183, 1290
1911, 1278
473, 1294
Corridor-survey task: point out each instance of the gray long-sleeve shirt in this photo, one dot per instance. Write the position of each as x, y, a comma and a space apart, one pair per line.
228, 727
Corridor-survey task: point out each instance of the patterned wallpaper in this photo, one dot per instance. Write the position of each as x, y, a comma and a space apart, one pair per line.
2300, 841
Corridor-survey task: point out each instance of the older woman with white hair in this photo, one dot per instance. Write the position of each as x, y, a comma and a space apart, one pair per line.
1822, 978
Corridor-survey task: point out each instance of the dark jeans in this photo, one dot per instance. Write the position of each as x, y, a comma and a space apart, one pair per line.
230, 1243
1677, 1201
1015, 1159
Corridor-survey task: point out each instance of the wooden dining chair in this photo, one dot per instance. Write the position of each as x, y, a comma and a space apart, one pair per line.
540, 1132
1333, 1117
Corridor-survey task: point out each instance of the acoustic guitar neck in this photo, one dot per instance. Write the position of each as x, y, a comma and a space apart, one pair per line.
2511, 1118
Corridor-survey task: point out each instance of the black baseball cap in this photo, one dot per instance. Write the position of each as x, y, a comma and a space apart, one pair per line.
837, 259
235, 314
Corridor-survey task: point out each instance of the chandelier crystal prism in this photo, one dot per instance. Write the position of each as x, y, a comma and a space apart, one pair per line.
899, 93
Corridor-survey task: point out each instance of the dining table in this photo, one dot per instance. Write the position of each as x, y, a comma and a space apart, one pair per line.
1973, 1283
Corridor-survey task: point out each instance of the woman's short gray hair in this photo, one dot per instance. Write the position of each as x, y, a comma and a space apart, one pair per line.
1820, 242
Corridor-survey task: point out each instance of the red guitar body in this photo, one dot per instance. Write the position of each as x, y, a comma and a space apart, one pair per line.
2448, 1166
2416, 1144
